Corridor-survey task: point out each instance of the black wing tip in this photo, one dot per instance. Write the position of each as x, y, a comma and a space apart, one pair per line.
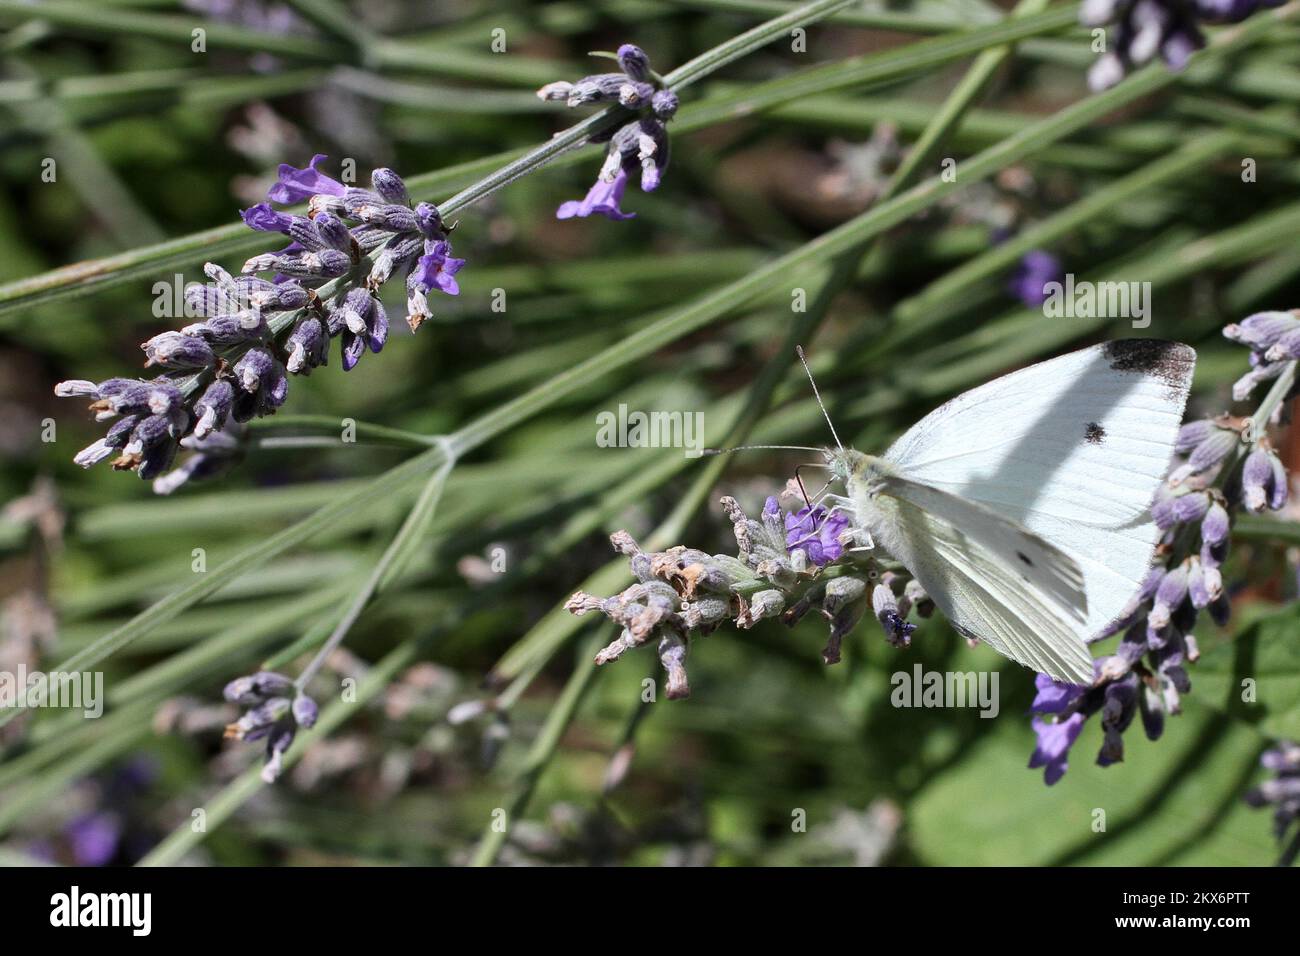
1171, 362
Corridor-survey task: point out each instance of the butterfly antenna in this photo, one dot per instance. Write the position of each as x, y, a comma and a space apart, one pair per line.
817, 395
728, 451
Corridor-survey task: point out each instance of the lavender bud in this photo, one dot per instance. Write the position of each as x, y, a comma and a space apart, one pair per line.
664, 103
257, 688
1171, 593
177, 350
257, 722
917, 598
334, 232
1191, 507
399, 253
844, 603
1257, 479
280, 740
1242, 388
308, 346
1152, 710
305, 711
1197, 591
390, 186
599, 88
1209, 454
1277, 497
76, 388
1287, 347
1215, 525
1261, 330
706, 612
1192, 434
253, 369
429, 221
212, 409
149, 431
634, 62
634, 95
764, 604
672, 655
93, 454
885, 606
559, 90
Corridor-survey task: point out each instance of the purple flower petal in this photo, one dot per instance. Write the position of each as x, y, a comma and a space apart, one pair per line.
264, 218
1053, 696
817, 532
437, 270
1054, 742
602, 198
299, 185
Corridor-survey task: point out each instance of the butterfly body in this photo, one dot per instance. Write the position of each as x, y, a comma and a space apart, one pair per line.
1023, 506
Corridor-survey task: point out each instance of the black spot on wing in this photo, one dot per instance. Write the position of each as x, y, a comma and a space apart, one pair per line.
1093, 433
1025, 558
1171, 362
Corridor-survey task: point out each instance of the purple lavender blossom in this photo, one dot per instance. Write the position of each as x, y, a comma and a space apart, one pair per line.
1035, 271
1052, 751
264, 218
94, 838
437, 270
816, 531
298, 185
603, 198
1282, 793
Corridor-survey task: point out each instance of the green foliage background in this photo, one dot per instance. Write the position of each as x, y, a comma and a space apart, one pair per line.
683, 308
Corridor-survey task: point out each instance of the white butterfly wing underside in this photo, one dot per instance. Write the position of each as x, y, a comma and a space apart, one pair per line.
1073, 449
988, 575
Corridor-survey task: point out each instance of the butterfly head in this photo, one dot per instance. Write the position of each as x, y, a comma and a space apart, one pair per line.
855, 468
846, 463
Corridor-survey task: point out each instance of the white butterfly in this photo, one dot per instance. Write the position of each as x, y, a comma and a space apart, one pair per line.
1023, 506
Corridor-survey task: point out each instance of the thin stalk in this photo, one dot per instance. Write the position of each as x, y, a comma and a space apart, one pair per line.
385, 568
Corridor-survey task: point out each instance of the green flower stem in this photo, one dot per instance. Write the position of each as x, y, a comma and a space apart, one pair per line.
94, 20
407, 538
875, 68
543, 748
866, 19
919, 313
333, 424
20, 768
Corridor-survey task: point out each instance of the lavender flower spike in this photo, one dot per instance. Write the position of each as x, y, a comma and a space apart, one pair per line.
641, 144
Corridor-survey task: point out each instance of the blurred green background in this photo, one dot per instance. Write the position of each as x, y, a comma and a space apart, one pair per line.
776, 758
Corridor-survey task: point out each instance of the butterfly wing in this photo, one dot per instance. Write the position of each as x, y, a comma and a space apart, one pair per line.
1073, 449
991, 578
